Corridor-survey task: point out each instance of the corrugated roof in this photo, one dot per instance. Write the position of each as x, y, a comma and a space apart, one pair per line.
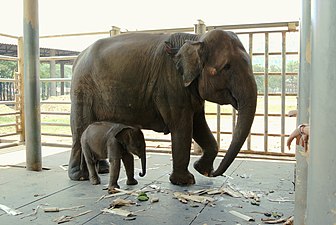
11, 50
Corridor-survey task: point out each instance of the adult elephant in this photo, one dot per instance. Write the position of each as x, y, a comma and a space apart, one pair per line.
130, 79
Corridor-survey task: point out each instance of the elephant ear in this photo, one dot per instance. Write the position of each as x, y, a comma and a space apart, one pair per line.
122, 134
188, 61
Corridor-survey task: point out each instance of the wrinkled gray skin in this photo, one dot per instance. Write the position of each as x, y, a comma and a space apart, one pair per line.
160, 82
116, 142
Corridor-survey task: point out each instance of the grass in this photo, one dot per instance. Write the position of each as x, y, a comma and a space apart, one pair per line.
55, 129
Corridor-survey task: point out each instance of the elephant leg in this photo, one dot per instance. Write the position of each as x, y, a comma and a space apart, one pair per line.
77, 168
114, 174
204, 138
91, 164
81, 117
128, 161
103, 166
181, 144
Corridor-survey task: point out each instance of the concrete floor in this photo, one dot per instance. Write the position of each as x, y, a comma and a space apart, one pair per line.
269, 181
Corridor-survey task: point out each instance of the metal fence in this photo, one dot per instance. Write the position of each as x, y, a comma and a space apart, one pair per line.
273, 48
10, 107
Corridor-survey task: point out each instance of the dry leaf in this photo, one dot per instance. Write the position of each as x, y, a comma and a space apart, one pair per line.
242, 216
10, 211
121, 202
195, 198
120, 212
154, 199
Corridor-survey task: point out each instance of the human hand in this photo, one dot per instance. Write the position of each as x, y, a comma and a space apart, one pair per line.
301, 134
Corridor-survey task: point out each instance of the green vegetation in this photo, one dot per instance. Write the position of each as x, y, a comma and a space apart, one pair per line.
55, 119
275, 81
7, 69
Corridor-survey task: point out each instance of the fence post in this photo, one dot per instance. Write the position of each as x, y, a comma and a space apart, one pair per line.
19, 98
52, 84
62, 76
32, 85
266, 85
200, 28
114, 31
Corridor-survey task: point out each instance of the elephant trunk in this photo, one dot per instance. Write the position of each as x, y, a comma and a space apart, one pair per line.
244, 123
143, 164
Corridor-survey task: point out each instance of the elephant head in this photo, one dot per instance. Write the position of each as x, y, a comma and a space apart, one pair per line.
222, 69
134, 142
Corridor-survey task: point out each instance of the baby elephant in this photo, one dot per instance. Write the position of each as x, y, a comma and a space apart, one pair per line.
114, 141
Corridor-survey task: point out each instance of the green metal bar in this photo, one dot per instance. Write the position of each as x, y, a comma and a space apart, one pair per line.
32, 85
62, 77
251, 56
218, 126
283, 92
321, 182
266, 94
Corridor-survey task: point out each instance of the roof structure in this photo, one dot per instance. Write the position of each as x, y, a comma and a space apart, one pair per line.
11, 50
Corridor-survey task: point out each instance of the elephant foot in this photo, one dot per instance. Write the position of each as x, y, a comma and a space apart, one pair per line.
77, 174
112, 189
131, 181
203, 167
94, 180
103, 166
182, 178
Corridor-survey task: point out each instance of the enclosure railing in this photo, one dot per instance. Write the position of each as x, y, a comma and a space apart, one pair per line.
10, 103
56, 132
274, 53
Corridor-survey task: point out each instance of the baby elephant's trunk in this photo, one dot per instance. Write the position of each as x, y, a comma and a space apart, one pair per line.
143, 163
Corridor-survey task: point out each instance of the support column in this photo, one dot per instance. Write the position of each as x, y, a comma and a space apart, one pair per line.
303, 113
52, 64
32, 85
321, 189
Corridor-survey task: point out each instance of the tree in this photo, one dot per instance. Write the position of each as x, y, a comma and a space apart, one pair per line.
7, 70
259, 78
275, 81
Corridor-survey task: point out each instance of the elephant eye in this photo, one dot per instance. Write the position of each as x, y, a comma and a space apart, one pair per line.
227, 66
